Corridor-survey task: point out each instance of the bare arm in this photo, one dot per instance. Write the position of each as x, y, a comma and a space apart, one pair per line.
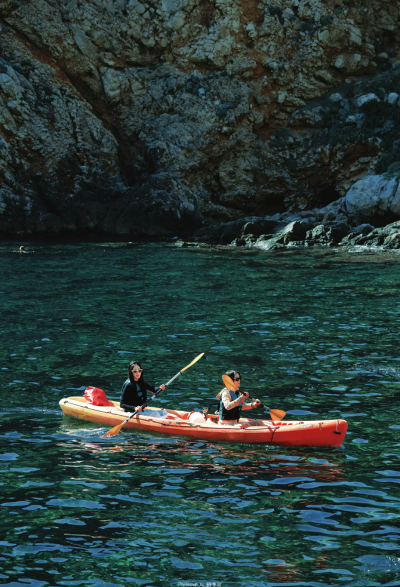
226, 399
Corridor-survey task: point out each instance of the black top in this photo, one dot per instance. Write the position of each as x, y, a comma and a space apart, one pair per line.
135, 394
233, 413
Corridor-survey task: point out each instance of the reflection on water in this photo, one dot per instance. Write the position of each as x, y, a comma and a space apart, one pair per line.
315, 335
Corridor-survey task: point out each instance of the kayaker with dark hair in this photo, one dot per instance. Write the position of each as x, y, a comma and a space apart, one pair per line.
232, 403
134, 390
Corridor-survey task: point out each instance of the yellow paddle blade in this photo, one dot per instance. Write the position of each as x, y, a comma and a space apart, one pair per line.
277, 414
113, 432
229, 384
193, 362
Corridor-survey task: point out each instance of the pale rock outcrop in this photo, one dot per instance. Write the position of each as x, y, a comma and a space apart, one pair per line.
295, 231
367, 99
373, 197
352, 63
393, 98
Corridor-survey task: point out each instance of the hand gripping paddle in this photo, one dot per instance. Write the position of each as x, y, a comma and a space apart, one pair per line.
229, 384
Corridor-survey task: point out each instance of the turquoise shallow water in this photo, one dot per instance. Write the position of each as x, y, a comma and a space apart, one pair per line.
315, 333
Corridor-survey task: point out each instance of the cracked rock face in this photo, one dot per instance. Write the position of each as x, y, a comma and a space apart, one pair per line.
157, 118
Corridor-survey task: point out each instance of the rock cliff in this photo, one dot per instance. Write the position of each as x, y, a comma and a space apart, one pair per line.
165, 116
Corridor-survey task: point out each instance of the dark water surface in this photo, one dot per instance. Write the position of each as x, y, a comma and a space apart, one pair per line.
315, 333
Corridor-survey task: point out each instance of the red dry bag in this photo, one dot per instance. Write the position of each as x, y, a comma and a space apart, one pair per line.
96, 396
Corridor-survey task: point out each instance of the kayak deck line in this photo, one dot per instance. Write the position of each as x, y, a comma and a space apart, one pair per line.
176, 422
143, 417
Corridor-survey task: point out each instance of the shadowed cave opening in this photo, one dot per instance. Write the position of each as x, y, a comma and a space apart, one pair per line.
326, 196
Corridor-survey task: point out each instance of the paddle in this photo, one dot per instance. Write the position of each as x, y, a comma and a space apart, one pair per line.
114, 431
229, 384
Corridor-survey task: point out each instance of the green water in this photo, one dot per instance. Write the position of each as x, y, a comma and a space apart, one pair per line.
315, 333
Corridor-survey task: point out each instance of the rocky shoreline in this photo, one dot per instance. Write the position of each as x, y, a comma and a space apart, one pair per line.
346, 222
298, 234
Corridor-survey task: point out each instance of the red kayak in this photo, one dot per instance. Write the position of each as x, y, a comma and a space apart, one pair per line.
196, 425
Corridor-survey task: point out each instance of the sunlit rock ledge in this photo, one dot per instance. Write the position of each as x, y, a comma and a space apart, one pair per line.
348, 221
299, 234
161, 119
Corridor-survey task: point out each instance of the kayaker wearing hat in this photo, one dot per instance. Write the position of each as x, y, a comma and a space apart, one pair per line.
232, 403
134, 390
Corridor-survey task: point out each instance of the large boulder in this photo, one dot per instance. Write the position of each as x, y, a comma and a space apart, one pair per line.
327, 234
295, 231
373, 197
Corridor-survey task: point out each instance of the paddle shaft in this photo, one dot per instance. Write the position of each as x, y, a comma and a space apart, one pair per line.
151, 398
260, 405
116, 430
